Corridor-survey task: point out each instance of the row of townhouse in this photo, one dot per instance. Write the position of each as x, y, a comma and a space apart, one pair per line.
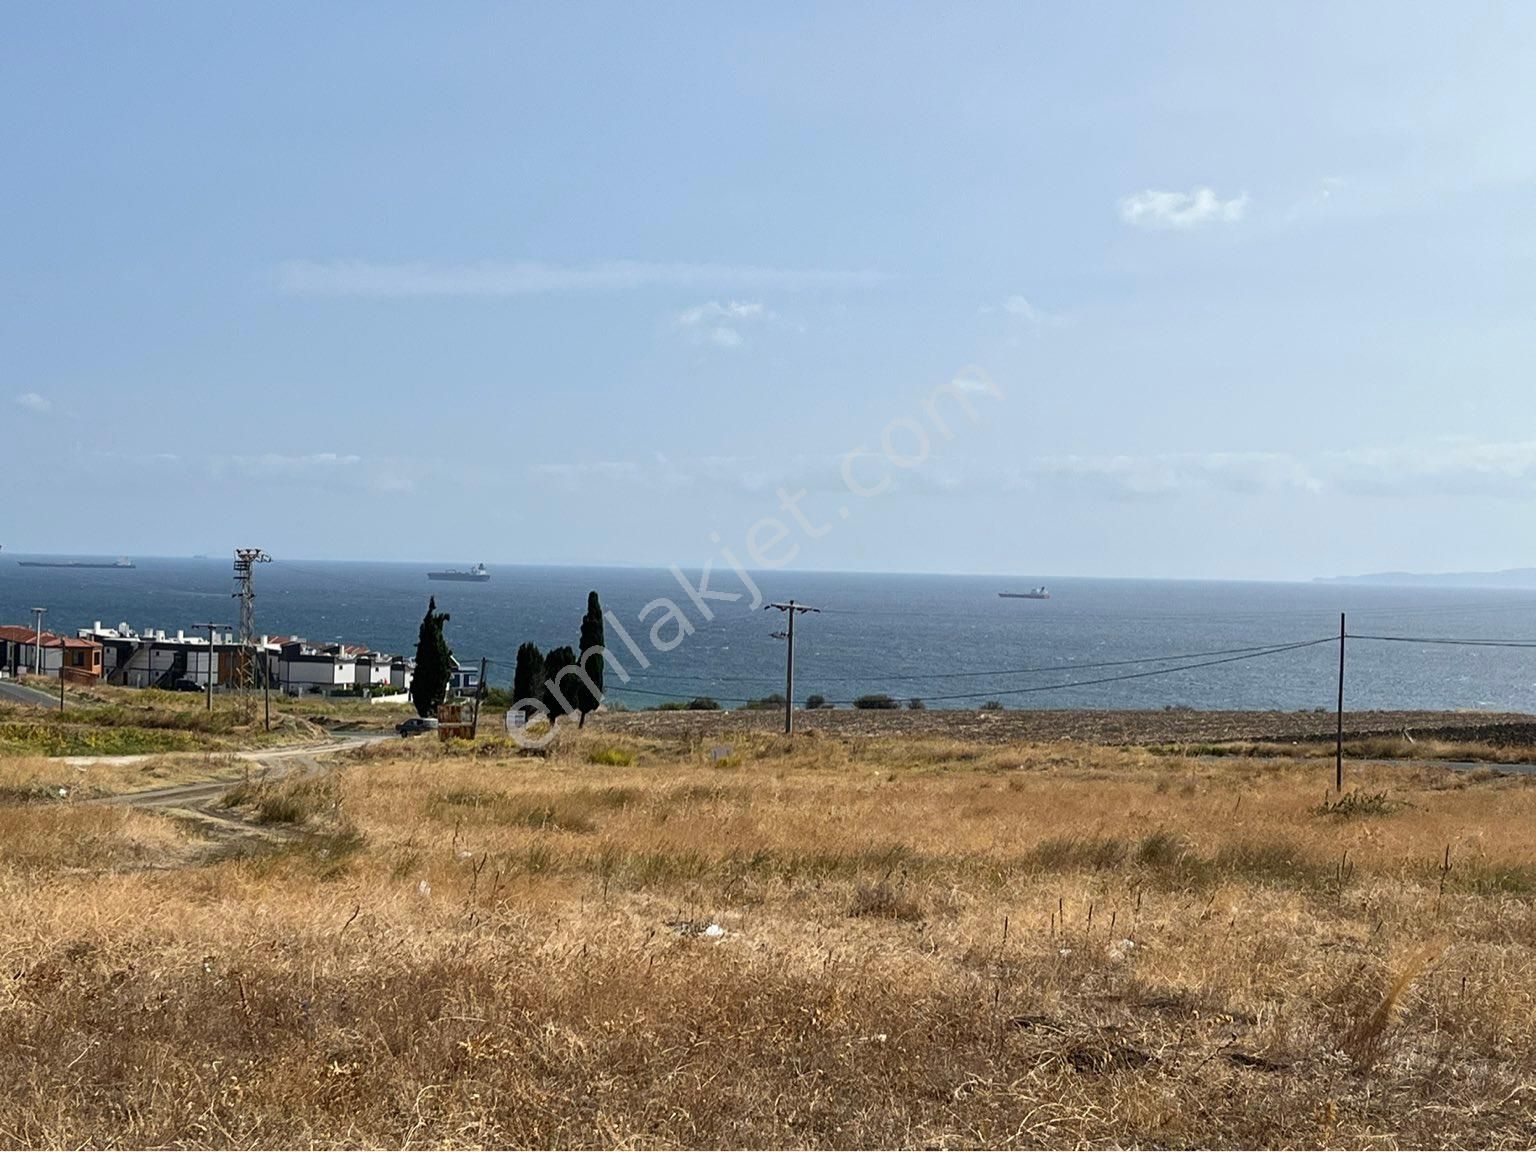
24, 649
155, 659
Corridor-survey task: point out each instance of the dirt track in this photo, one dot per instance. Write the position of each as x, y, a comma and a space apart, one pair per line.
1098, 727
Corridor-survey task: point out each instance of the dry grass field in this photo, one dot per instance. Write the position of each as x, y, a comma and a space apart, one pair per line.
851, 940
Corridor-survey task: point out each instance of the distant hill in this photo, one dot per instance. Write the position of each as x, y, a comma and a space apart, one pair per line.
1509, 578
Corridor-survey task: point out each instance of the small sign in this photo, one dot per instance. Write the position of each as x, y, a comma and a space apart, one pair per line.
720, 752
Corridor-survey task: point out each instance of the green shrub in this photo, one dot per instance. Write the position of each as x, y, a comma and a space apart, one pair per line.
1358, 803
611, 757
875, 701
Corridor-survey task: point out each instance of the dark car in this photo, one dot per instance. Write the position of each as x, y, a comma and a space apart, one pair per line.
185, 685
416, 725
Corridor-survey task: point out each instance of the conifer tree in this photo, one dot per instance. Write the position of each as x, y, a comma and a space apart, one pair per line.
586, 698
429, 682
554, 686
528, 677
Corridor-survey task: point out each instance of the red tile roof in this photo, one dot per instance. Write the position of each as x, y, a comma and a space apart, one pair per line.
20, 634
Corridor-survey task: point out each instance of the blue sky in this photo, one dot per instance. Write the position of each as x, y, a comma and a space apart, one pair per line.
593, 283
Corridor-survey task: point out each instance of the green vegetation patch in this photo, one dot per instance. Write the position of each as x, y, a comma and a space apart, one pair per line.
45, 738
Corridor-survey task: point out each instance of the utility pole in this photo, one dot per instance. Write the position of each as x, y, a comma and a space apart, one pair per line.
790, 609
210, 627
63, 652
37, 645
474, 722
1338, 763
266, 687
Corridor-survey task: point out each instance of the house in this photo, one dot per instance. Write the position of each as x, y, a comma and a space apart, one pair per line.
400, 671
463, 681
303, 667
22, 649
13, 637
154, 659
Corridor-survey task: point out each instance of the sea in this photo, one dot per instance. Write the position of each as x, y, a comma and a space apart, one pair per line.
949, 641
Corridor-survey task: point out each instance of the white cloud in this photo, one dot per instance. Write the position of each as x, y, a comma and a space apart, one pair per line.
276, 464
1022, 308
323, 471
1166, 474
1426, 470
714, 310
1157, 209
719, 324
529, 278
33, 402
1439, 468
1024, 315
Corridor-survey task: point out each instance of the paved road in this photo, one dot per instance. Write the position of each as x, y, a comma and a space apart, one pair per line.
21, 694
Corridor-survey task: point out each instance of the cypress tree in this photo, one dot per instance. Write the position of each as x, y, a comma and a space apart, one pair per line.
592, 656
429, 683
527, 679
556, 661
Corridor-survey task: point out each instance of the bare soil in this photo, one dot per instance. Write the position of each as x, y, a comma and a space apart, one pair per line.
1106, 727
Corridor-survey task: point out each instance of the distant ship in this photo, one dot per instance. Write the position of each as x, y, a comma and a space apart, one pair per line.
121, 562
1040, 593
479, 574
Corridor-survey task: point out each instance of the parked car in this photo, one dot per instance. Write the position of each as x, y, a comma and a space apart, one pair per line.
185, 685
416, 725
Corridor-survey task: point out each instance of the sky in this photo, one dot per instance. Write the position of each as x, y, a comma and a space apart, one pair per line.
1162, 290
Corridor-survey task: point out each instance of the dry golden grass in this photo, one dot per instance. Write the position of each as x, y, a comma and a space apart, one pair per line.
41, 779
840, 942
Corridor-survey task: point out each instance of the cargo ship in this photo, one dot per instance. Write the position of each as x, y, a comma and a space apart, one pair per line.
121, 562
1040, 593
479, 574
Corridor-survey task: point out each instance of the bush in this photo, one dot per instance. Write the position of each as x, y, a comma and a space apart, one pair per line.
1358, 803
697, 704
992, 706
915, 705
611, 757
773, 700
814, 701
875, 701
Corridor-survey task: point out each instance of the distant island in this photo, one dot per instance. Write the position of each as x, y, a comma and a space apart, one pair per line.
1509, 578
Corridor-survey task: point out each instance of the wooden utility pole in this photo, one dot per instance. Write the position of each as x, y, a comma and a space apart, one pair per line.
211, 672
63, 652
1338, 762
791, 609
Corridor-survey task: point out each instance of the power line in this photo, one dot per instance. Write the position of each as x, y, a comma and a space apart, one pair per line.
1250, 655
922, 677
1449, 641
1131, 675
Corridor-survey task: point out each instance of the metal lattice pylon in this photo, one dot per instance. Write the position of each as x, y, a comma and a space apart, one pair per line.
245, 592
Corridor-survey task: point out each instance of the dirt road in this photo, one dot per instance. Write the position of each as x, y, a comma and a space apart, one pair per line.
275, 763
